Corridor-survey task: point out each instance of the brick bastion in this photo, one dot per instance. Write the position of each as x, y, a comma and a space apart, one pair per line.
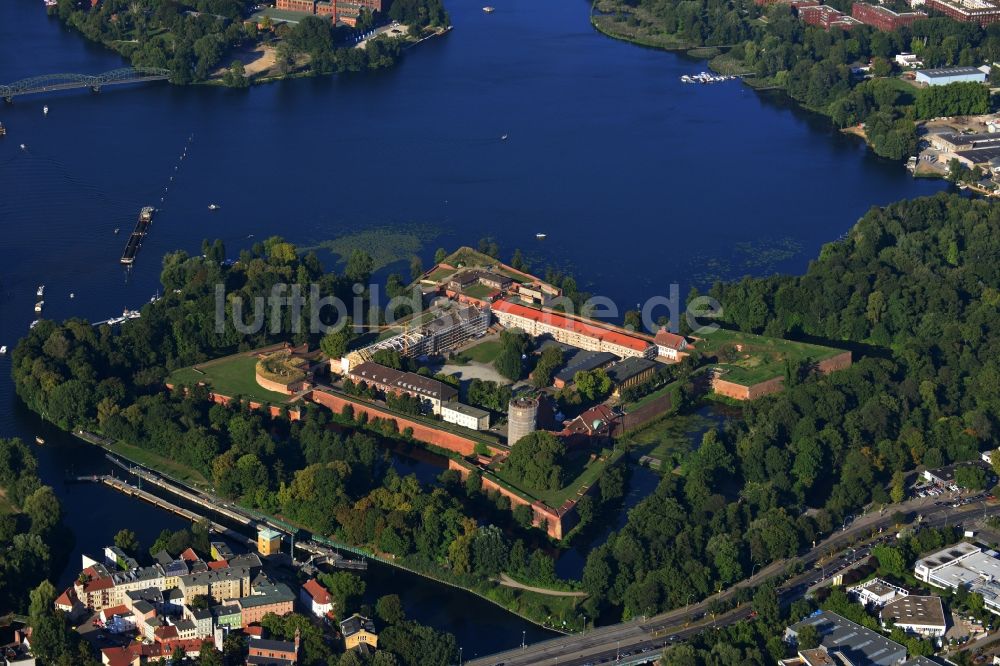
773, 385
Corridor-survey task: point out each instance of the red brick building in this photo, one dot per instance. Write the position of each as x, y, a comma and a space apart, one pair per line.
983, 12
882, 18
826, 17
304, 6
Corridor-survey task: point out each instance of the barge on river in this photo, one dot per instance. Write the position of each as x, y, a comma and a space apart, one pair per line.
135, 240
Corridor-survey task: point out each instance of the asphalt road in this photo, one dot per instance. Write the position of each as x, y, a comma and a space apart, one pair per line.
631, 641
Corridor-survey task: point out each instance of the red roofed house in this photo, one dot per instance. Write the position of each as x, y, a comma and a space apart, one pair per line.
95, 593
189, 555
67, 602
316, 598
596, 422
670, 345
218, 564
579, 333
138, 653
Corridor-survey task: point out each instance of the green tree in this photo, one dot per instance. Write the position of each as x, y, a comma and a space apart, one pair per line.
389, 609
127, 541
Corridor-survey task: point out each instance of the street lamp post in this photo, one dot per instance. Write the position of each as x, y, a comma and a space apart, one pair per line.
459, 656
523, 642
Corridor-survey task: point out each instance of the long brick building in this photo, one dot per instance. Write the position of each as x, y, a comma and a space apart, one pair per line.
344, 11
882, 18
983, 12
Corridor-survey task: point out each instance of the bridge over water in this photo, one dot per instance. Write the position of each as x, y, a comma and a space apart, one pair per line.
54, 82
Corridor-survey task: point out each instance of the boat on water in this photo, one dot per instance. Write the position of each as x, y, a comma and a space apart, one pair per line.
3, 130
131, 314
23, 147
117, 229
33, 324
72, 295
45, 109
214, 206
41, 290
488, 9
39, 440
39, 305
503, 137
540, 236
138, 235
3, 349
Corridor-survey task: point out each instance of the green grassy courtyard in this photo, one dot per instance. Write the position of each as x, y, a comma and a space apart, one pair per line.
230, 376
484, 352
748, 359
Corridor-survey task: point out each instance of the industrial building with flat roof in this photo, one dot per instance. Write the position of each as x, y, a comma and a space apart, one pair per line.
916, 614
945, 75
965, 565
858, 644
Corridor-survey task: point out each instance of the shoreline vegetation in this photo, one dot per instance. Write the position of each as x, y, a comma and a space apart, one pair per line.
849, 77
757, 490
223, 42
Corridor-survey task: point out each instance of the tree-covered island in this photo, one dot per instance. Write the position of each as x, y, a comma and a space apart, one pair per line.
237, 43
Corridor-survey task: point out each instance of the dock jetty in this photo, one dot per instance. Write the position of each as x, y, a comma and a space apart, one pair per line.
319, 551
138, 235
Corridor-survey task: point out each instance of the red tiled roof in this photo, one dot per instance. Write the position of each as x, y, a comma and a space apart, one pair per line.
668, 339
316, 591
117, 610
218, 564
189, 555
66, 599
254, 630
96, 584
166, 633
558, 320
122, 656
584, 423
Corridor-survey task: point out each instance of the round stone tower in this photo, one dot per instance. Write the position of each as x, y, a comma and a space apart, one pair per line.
522, 417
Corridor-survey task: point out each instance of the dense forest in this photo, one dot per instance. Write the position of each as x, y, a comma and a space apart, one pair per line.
195, 38
916, 286
814, 66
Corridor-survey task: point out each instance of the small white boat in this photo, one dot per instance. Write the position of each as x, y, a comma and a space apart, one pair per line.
131, 314
39, 440
3, 349
214, 206
72, 295
488, 9
33, 324
45, 109
23, 147
503, 137
39, 305
117, 229
540, 236
41, 290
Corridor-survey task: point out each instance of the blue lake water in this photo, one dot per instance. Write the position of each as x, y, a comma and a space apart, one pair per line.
638, 180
